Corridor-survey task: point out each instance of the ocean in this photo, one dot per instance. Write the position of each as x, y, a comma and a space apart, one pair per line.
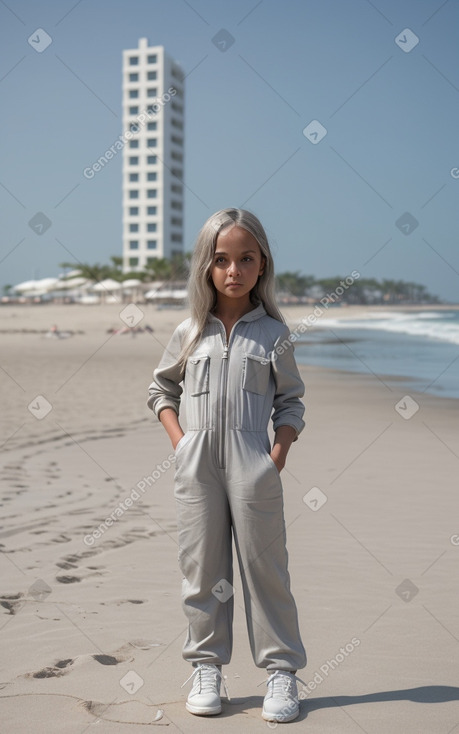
420, 346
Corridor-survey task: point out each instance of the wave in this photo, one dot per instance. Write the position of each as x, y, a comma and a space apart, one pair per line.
442, 326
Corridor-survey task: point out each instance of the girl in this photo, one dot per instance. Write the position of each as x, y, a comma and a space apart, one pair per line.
232, 365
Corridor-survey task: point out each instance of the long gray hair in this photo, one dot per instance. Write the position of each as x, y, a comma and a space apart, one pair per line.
202, 294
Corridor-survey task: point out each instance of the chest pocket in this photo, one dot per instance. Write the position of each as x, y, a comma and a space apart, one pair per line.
256, 374
197, 374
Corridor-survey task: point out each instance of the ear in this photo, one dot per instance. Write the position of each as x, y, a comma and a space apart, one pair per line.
262, 266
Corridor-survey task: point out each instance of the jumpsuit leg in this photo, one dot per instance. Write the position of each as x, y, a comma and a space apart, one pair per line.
256, 500
205, 553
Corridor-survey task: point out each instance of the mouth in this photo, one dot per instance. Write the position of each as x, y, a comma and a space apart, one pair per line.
233, 285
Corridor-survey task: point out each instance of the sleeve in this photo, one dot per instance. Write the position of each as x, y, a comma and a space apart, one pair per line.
165, 390
288, 408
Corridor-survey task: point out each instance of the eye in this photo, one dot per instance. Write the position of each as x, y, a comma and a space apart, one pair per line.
247, 258
219, 259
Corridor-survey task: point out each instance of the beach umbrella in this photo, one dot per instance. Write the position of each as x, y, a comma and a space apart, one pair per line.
47, 284
77, 282
27, 285
37, 287
107, 285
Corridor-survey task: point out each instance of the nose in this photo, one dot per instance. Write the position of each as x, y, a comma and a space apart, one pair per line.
233, 268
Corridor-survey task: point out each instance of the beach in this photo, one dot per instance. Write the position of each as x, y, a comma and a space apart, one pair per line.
91, 625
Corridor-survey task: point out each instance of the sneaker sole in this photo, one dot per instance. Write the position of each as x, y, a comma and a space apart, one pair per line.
197, 711
280, 718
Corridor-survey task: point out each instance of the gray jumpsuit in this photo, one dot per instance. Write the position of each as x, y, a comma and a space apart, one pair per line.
226, 484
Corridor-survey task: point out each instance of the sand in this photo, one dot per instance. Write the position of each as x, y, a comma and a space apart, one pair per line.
91, 627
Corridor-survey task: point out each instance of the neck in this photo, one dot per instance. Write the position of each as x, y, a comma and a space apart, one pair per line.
229, 310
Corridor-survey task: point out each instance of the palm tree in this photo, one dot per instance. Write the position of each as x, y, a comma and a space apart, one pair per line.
294, 283
180, 266
95, 272
158, 269
116, 271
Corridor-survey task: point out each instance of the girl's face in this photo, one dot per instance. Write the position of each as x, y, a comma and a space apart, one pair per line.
237, 263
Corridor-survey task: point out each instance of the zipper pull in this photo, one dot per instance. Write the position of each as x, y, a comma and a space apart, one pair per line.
225, 353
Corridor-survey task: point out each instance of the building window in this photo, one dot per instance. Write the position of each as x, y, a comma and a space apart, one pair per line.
133, 77
133, 244
133, 93
133, 60
176, 221
152, 142
151, 210
176, 123
151, 244
152, 176
151, 193
152, 92
151, 160
133, 210
151, 75
133, 261
152, 59
133, 177
134, 127
176, 188
134, 160
175, 139
177, 172
152, 126
133, 143
176, 237
177, 156
151, 227
133, 228
133, 194
133, 110
177, 205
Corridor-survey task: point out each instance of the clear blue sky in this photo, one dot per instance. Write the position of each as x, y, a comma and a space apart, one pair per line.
391, 116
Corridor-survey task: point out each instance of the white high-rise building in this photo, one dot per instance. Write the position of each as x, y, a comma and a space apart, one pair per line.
153, 120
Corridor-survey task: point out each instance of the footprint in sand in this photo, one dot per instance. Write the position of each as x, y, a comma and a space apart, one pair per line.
68, 579
65, 666
12, 602
62, 538
65, 565
55, 671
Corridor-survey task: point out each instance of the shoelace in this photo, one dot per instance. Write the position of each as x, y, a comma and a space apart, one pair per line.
282, 683
207, 678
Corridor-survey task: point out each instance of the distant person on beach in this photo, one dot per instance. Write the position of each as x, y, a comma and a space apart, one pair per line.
54, 333
232, 365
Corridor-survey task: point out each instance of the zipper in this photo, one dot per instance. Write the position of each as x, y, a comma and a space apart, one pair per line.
221, 409
222, 393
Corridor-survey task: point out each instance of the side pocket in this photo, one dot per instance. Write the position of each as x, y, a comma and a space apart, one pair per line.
197, 374
255, 377
180, 443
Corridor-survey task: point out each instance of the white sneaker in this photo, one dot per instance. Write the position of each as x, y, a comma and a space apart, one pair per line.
204, 698
281, 701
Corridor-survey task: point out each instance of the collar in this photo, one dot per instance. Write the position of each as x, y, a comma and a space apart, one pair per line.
253, 315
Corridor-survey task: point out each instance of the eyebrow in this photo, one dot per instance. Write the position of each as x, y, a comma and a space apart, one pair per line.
221, 252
